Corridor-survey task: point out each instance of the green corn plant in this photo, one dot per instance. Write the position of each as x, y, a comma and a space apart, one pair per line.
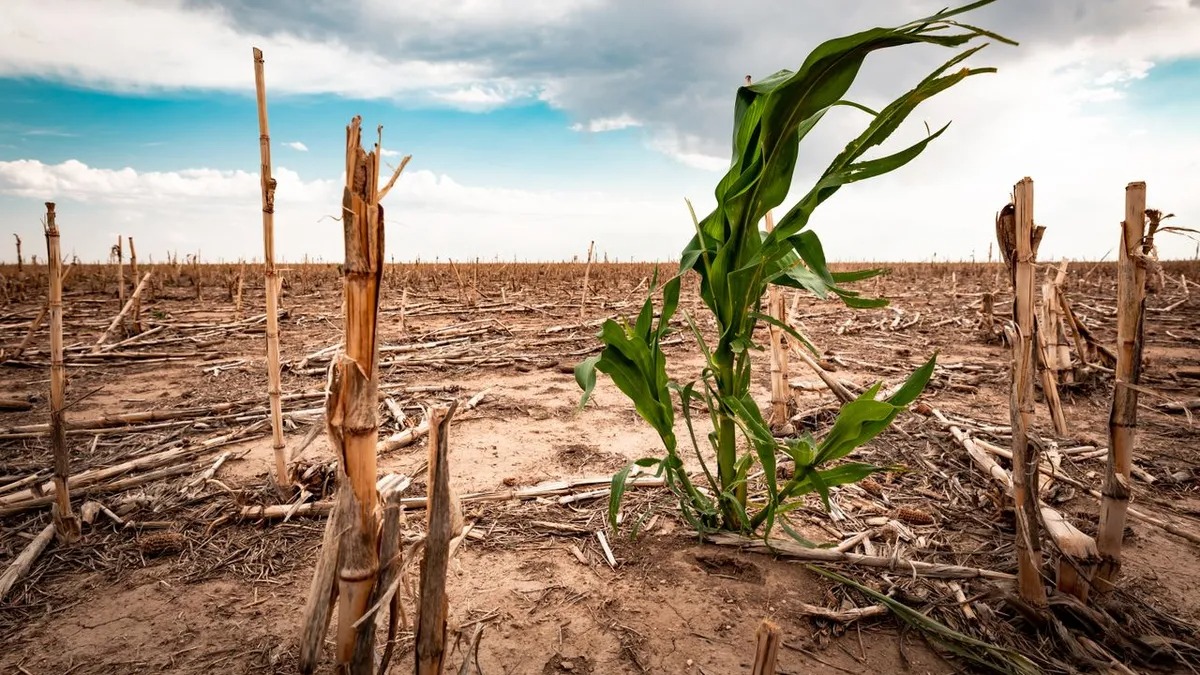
736, 261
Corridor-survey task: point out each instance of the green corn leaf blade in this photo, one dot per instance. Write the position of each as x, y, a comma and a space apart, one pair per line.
849, 472
795, 334
642, 328
687, 394
814, 479
851, 173
790, 272
857, 275
800, 450
699, 337
796, 536
808, 246
742, 468
585, 377
915, 384
858, 422
670, 304
731, 501
627, 359
617, 492
856, 302
755, 427
882, 126
871, 391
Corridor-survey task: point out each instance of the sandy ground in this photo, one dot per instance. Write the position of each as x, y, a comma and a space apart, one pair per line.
229, 598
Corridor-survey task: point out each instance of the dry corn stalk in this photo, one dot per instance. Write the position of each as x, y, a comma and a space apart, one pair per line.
137, 302
1018, 242
348, 569
66, 525
1122, 421
587, 270
444, 521
274, 387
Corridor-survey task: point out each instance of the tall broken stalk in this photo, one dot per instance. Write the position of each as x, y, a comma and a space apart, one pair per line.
119, 252
1018, 241
20, 258
137, 302
65, 523
348, 569
430, 646
274, 388
587, 270
1122, 420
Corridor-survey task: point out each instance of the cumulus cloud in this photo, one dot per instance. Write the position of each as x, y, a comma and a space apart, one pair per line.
428, 214
297, 145
671, 66
602, 124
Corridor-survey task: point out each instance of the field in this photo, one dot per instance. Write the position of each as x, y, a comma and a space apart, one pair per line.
181, 574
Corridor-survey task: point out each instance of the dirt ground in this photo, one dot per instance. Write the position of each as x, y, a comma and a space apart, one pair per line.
187, 585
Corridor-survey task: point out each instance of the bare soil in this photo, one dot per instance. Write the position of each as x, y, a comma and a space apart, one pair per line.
226, 594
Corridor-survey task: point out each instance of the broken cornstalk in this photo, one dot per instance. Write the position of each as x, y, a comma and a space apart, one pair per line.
65, 523
137, 301
348, 568
587, 270
431, 617
1018, 241
1122, 421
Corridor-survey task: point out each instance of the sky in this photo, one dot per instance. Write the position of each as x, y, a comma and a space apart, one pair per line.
538, 126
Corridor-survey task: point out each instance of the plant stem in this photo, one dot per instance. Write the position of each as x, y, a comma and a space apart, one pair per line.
727, 434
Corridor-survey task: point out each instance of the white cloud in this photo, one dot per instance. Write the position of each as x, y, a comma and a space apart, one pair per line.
180, 47
429, 215
686, 149
297, 145
384, 152
603, 124
481, 98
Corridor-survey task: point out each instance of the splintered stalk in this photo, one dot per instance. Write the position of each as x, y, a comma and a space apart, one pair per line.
1021, 408
137, 302
1122, 421
65, 523
119, 254
352, 415
431, 619
587, 270
274, 387
348, 569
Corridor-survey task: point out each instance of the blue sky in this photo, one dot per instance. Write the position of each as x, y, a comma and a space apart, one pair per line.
536, 127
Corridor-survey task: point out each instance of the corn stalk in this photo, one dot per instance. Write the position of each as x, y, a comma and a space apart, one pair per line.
65, 523
736, 263
348, 569
1122, 421
274, 385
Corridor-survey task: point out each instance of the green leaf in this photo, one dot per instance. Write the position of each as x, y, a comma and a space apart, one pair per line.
857, 275
619, 480
849, 472
585, 377
858, 422
915, 384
